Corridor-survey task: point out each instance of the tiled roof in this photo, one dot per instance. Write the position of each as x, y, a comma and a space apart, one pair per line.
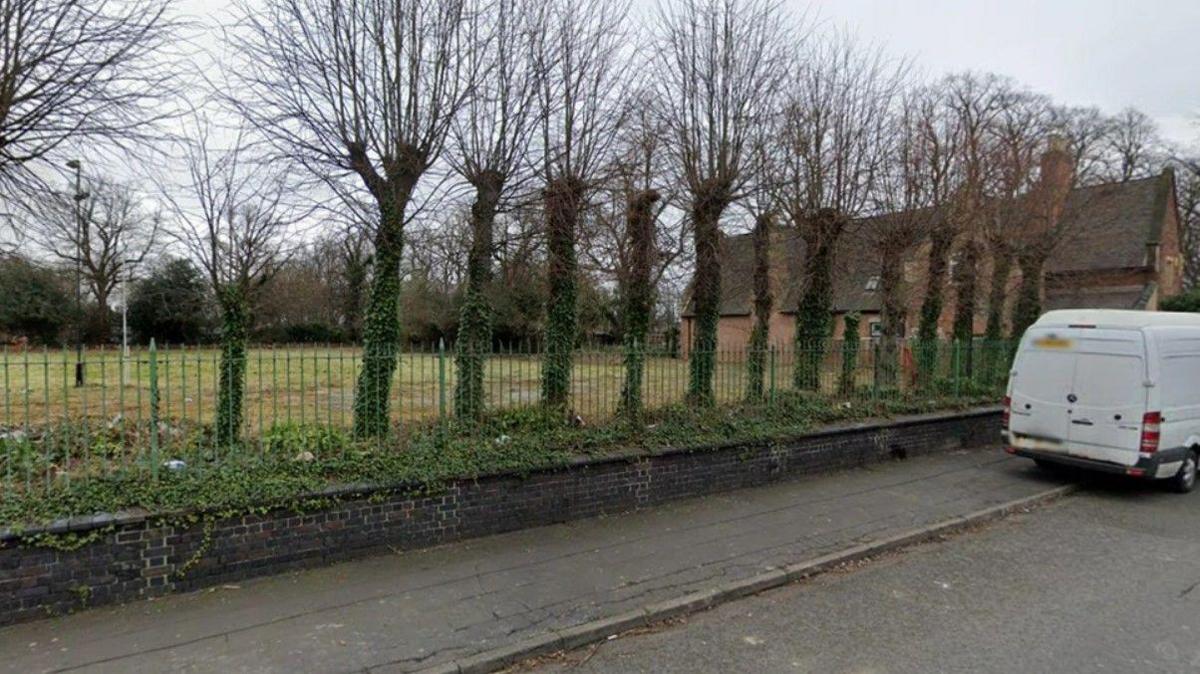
1105, 226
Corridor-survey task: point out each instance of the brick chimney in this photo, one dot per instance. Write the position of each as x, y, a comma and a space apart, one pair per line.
1055, 181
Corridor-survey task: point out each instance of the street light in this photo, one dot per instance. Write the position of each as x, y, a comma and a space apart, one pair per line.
128, 276
80, 195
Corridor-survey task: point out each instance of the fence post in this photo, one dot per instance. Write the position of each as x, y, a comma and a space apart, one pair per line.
153, 409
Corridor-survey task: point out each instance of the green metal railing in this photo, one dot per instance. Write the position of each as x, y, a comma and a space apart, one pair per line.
140, 408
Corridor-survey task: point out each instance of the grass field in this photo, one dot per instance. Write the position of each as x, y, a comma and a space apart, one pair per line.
316, 384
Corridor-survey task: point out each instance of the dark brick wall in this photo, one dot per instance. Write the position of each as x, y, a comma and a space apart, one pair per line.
142, 558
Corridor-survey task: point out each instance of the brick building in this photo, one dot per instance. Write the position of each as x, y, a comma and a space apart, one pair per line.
1118, 249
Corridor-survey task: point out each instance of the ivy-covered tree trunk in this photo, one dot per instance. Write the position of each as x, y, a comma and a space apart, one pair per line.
814, 315
995, 354
563, 198
232, 377
891, 319
966, 281
381, 325
638, 296
1032, 263
475, 319
706, 294
851, 343
941, 243
756, 358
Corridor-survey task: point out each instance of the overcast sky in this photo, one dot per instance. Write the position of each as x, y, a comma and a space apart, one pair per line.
1108, 53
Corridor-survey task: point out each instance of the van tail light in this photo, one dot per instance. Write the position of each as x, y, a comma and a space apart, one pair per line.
1007, 416
1151, 427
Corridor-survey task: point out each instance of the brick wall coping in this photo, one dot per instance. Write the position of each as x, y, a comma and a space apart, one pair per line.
84, 523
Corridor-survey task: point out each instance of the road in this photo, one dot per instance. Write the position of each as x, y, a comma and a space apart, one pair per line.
1107, 580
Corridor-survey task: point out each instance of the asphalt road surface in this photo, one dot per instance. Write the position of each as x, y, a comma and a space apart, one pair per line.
1107, 580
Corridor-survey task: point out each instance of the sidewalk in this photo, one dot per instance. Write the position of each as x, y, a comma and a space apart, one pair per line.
412, 610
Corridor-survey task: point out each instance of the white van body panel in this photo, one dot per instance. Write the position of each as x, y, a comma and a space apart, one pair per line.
1083, 379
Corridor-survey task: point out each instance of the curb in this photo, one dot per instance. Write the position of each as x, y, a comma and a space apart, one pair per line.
569, 638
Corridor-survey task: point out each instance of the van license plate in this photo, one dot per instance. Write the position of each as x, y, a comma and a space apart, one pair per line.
1052, 343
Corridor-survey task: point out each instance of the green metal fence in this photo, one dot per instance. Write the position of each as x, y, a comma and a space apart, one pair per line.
139, 408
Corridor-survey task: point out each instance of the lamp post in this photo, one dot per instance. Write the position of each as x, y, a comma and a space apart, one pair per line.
127, 277
80, 195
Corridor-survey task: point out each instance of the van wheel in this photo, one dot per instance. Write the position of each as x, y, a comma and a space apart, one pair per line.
1185, 480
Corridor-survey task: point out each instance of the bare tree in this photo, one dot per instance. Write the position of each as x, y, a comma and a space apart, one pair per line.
1019, 136
910, 189
79, 74
367, 88
491, 141
1133, 144
581, 54
722, 65
113, 233
232, 221
1188, 178
834, 134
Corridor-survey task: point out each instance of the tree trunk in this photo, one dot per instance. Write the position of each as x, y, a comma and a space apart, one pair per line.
891, 317
966, 281
475, 319
707, 207
232, 378
638, 296
563, 198
850, 346
995, 349
1032, 263
756, 358
814, 315
931, 306
381, 325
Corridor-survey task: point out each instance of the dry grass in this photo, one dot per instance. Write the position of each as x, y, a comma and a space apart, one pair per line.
316, 384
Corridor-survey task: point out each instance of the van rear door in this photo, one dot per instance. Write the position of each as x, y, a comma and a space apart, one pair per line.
1042, 377
1108, 395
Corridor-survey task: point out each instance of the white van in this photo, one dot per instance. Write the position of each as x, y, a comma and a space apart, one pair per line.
1117, 391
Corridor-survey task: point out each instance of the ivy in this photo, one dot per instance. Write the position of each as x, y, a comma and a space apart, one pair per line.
709, 203
232, 378
756, 358
475, 317
850, 346
563, 199
638, 296
814, 322
258, 480
926, 348
965, 283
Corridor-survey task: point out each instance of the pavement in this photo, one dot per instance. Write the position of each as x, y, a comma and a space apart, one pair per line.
413, 610
1105, 581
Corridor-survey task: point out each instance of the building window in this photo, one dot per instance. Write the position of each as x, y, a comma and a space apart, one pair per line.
873, 283
876, 329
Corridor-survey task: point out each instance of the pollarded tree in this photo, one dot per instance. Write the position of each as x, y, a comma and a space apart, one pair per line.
764, 301
233, 223
834, 139
580, 55
911, 184
492, 138
363, 88
722, 65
